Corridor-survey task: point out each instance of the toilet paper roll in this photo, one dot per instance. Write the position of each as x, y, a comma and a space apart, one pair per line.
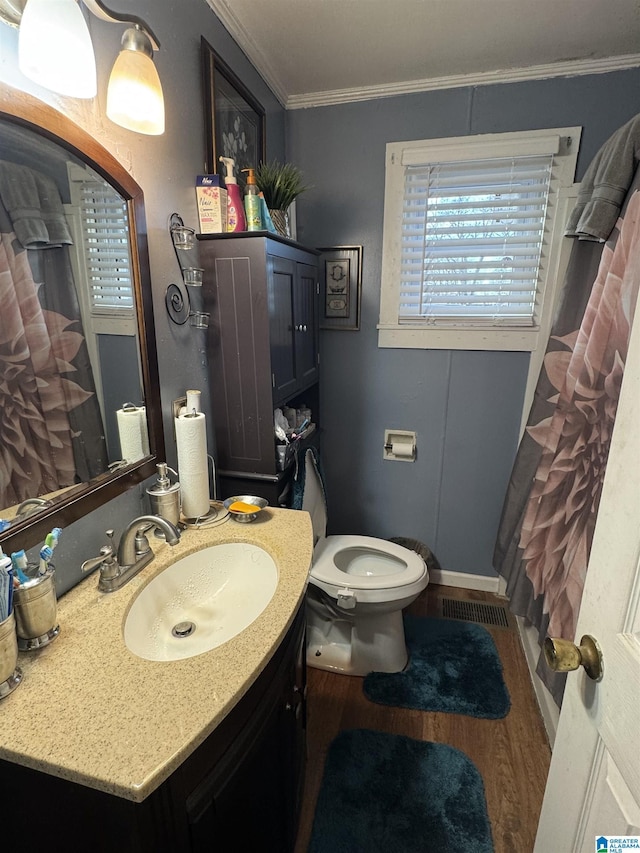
191, 440
403, 448
133, 433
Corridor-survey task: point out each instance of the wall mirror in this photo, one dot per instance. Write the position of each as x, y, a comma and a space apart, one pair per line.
80, 414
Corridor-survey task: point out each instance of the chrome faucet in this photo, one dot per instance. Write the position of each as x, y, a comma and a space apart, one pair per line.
30, 505
134, 552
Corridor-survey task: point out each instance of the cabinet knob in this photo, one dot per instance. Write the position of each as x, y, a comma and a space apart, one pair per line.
300, 328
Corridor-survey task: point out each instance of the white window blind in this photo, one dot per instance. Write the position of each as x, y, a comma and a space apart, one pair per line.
472, 235
106, 248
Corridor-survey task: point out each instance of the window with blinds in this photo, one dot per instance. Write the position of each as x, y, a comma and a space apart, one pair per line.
106, 248
472, 234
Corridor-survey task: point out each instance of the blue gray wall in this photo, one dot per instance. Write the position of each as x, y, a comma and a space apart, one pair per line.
464, 406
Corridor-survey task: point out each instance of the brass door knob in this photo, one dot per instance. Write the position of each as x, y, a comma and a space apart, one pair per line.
565, 656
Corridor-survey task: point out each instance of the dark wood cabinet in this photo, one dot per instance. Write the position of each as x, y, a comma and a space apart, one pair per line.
239, 792
263, 298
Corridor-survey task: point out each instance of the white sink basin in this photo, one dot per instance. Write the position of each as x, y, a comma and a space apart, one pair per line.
200, 602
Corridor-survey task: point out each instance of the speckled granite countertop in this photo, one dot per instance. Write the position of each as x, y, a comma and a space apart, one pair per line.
90, 711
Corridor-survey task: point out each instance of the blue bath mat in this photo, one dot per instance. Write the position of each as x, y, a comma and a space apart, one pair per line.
453, 667
385, 793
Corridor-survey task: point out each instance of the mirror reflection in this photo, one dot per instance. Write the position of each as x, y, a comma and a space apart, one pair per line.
71, 387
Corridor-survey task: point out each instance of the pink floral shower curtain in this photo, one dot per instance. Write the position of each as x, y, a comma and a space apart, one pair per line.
554, 492
47, 394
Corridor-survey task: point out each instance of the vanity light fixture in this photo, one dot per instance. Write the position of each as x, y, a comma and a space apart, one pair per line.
55, 51
134, 96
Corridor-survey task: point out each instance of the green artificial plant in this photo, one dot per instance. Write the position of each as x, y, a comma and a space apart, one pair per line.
280, 183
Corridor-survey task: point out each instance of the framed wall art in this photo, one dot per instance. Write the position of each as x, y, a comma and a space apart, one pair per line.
234, 120
340, 272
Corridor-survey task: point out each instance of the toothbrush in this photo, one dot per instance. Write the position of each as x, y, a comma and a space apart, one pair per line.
6, 586
298, 433
19, 560
46, 552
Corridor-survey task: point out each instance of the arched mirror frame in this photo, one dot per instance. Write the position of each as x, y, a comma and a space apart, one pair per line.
23, 109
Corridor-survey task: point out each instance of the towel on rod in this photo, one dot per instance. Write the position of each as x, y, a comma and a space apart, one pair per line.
34, 206
52, 211
605, 185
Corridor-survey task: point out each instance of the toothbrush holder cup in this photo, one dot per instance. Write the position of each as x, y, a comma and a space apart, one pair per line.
36, 610
10, 673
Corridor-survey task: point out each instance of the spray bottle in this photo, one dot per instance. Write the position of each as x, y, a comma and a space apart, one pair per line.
252, 202
235, 209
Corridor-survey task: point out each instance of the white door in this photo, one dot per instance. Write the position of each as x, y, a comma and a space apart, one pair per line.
593, 788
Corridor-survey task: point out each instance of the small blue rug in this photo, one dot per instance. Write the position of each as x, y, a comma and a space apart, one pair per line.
385, 793
453, 667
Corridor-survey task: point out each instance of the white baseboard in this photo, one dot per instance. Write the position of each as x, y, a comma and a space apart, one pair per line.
445, 577
548, 708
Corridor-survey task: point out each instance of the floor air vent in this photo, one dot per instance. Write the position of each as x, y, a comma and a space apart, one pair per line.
495, 615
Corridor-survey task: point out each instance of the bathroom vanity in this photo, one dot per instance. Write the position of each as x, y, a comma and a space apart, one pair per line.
104, 751
263, 297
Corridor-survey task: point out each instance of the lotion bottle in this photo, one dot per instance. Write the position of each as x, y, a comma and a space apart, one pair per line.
252, 202
235, 209
164, 497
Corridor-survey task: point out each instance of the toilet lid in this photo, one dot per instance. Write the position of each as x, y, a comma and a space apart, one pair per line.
313, 498
364, 562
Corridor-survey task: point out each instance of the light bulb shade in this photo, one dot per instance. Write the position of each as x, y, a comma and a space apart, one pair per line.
134, 96
55, 49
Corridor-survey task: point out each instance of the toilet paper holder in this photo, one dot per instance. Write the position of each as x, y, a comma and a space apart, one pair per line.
399, 445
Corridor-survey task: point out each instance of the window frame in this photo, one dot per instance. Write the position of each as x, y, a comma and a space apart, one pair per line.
422, 335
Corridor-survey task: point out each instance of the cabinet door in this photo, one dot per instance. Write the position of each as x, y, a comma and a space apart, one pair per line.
244, 812
305, 318
281, 286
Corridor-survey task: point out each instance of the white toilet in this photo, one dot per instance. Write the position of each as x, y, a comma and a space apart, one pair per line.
358, 587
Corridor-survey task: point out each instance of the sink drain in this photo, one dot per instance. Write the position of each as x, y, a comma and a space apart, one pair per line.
183, 629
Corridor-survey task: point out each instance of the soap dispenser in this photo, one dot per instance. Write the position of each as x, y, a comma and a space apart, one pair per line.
235, 209
165, 497
252, 202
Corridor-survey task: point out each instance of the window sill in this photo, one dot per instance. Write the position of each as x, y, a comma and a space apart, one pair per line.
412, 337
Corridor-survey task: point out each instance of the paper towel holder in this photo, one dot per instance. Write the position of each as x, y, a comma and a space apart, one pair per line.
399, 445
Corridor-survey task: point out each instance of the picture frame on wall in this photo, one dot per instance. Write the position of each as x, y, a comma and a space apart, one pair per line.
340, 273
234, 119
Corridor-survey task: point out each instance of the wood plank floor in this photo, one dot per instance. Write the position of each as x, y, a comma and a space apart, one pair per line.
512, 754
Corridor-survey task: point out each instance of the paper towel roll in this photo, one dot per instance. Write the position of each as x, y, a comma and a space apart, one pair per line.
191, 440
133, 432
402, 448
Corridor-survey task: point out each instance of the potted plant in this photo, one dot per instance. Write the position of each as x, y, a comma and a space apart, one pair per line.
280, 184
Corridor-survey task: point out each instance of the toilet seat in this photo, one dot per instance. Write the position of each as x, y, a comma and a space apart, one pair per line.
357, 568
408, 575
404, 566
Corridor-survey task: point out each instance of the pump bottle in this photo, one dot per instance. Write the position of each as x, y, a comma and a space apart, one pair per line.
252, 202
165, 497
235, 209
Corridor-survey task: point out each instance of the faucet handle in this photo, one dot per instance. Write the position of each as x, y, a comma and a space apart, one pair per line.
105, 558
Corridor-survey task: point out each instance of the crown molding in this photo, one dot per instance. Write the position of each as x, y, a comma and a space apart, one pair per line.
571, 68
254, 54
